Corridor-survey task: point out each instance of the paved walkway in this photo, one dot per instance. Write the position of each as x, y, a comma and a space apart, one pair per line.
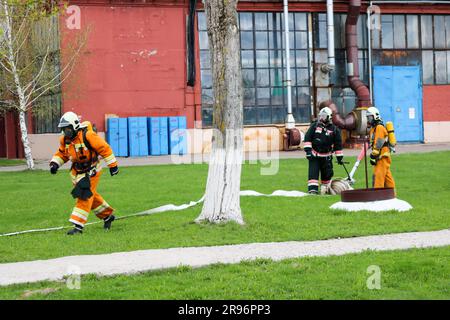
199, 158
155, 259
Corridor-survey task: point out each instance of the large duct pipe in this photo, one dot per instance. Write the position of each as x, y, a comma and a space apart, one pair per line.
348, 122
351, 37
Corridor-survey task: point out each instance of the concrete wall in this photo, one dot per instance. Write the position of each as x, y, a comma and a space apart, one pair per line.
45, 145
256, 139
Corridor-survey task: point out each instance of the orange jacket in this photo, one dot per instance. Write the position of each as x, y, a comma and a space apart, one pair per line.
77, 152
378, 141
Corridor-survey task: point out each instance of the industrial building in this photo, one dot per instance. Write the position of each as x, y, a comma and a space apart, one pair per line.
150, 58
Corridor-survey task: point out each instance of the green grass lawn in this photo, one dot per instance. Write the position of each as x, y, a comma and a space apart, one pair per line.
37, 199
411, 274
11, 162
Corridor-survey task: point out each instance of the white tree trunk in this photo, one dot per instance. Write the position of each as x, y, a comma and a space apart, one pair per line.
20, 92
222, 201
25, 140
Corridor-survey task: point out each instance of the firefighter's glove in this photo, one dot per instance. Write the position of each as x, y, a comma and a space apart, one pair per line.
114, 170
82, 189
53, 167
340, 160
373, 160
309, 155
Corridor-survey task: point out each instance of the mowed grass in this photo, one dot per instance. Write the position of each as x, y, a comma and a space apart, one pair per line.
411, 274
11, 162
30, 200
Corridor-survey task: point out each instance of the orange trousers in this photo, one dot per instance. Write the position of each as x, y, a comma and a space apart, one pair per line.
382, 176
95, 203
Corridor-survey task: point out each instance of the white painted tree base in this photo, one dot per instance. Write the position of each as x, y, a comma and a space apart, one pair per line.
382, 205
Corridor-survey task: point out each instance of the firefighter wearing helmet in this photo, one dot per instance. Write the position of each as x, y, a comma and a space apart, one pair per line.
81, 145
380, 157
322, 139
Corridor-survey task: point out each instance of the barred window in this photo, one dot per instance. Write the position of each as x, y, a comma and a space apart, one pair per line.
422, 39
263, 67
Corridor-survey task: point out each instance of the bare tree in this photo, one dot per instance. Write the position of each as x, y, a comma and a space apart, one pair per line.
28, 71
222, 201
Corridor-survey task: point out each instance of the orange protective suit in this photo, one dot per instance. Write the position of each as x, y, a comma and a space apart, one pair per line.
382, 176
77, 151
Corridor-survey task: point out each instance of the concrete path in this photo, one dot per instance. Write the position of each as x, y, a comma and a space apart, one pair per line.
146, 260
249, 156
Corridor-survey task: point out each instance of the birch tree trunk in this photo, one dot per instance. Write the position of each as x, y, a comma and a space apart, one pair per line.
11, 59
222, 203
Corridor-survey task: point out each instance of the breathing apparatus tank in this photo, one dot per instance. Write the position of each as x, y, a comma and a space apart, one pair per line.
391, 135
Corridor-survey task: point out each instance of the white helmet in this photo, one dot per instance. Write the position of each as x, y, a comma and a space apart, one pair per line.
69, 118
325, 114
372, 111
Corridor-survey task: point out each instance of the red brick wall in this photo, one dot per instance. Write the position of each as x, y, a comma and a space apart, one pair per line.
134, 64
436, 103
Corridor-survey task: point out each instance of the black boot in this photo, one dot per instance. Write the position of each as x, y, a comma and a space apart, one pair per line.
77, 229
108, 221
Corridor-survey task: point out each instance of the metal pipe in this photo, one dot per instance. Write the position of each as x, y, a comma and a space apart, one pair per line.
369, 41
412, 2
348, 122
311, 58
330, 29
351, 37
290, 121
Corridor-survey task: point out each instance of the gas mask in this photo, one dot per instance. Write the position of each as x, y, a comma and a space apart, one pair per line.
370, 121
324, 118
69, 132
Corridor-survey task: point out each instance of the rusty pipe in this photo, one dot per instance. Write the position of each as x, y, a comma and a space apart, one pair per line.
348, 122
351, 38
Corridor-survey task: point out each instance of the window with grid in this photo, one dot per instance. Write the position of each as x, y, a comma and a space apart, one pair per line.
263, 68
423, 36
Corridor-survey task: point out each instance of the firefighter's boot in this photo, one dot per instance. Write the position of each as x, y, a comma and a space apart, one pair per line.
108, 221
77, 229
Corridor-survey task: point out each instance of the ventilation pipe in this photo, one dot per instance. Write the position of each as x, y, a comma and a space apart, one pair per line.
351, 38
330, 30
290, 121
291, 135
355, 120
348, 122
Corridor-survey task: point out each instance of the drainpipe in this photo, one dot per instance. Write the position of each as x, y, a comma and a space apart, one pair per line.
351, 37
330, 30
290, 121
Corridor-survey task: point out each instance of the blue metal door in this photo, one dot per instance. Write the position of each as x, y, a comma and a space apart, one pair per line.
133, 136
143, 136
123, 137
182, 135
173, 135
112, 134
163, 133
154, 138
398, 96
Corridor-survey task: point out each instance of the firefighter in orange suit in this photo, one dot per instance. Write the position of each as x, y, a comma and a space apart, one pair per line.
82, 146
380, 157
